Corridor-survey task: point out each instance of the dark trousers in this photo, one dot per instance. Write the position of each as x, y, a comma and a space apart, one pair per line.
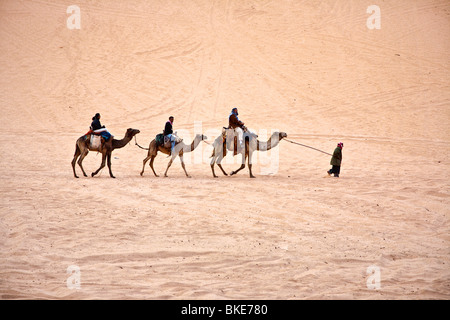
336, 170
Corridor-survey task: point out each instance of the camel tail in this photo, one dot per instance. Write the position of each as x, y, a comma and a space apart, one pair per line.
77, 150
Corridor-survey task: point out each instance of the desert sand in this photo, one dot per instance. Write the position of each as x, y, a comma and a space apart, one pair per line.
312, 69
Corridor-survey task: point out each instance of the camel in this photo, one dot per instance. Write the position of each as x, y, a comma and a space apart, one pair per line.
251, 145
179, 150
82, 148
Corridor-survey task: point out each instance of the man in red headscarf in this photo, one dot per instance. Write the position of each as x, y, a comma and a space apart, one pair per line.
336, 160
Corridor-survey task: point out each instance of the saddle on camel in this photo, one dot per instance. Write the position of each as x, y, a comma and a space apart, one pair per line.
98, 135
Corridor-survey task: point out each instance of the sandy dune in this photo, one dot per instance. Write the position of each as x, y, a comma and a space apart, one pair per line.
312, 69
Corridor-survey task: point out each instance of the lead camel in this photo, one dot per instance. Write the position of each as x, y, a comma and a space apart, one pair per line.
252, 144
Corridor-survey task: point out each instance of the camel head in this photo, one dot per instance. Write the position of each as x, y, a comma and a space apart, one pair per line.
202, 137
282, 135
132, 132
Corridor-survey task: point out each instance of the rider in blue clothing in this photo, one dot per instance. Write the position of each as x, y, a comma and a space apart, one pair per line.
97, 127
168, 131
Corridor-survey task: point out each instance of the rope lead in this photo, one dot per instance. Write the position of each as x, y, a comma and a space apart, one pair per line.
303, 145
135, 141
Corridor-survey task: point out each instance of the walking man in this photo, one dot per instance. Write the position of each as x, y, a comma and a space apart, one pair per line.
336, 160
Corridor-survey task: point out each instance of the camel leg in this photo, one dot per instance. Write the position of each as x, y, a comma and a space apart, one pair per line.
184, 167
80, 161
74, 161
109, 165
250, 169
101, 166
242, 166
219, 164
151, 165
168, 166
236, 171
213, 161
143, 167
250, 164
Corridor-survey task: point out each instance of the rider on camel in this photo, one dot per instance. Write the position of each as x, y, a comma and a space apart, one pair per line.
237, 125
98, 129
168, 132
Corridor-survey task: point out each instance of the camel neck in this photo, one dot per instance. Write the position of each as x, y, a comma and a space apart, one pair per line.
195, 143
271, 143
117, 144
